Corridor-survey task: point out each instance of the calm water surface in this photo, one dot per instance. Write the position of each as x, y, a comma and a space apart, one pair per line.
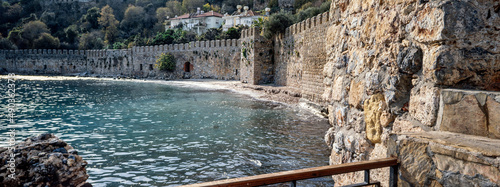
150, 133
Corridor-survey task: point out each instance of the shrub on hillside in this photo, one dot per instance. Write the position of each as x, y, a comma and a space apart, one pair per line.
166, 62
277, 23
46, 41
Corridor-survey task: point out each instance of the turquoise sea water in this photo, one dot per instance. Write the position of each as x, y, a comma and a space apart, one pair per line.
150, 133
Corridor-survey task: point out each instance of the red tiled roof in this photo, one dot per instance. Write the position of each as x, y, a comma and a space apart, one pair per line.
194, 15
183, 16
208, 14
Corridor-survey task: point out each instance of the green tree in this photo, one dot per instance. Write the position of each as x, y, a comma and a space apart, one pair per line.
211, 34
6, 43
46, 41
119, 45
71, 33
133, 20
163, 38
274, 5
259, 23
11, 13
174, 8
15, 37
277, 23
31, 17
182, 36
49, 18
311, 11
191, 5
162, 13
108, 21
232, 33
30, 6
91, 40
206, 7
166, 62
107, 18
298, 3
91, 19
33, 29
305, 6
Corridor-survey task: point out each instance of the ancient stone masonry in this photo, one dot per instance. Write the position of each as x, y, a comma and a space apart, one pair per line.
300, 55
206, 59
397, 82
256, 58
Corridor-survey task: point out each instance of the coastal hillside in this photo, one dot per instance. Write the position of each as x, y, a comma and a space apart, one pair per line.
111, 24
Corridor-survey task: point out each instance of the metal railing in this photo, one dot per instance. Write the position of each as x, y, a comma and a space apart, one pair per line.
308, 173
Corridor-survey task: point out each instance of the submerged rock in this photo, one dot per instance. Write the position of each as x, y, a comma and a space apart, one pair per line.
44, 160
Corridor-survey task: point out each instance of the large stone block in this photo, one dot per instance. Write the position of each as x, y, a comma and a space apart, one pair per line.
373, 109
356, 92
410, 60
464, 116
493, 117
338, 88
424, 104
416, 165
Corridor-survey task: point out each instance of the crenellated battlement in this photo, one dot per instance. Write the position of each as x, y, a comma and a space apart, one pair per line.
307, 24
198, 45
251, 32
215, 59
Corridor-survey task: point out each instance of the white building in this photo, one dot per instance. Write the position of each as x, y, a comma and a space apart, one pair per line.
198, 22
245, 17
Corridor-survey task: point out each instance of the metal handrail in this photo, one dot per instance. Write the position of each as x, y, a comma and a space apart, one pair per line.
301, 174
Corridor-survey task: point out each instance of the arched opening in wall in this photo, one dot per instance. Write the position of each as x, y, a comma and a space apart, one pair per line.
188, 67
140, 67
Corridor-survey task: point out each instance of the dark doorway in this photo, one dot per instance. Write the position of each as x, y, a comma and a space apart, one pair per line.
187, 67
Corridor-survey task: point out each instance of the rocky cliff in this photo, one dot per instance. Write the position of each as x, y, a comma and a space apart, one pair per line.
397, 82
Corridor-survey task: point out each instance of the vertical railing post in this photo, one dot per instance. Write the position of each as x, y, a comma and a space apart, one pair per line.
367, 176
294, 184
393, 177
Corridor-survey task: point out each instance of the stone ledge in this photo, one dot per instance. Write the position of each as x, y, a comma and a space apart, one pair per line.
473, 112
453, 144
445, 158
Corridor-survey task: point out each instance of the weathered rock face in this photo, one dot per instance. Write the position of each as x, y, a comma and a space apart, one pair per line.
391, 67
44, 161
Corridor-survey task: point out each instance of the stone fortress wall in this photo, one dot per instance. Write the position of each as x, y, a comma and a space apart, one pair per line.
300, 56
217, 59
417, 80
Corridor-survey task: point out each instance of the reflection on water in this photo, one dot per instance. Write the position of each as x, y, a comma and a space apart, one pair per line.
134, 133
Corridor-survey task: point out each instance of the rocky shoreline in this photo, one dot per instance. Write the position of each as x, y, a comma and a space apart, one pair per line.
43, 160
